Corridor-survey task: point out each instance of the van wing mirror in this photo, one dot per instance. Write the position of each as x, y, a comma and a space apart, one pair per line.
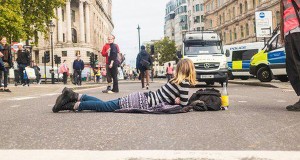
179, 55
227, 53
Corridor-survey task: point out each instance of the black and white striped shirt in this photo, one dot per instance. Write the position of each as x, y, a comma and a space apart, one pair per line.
169, 92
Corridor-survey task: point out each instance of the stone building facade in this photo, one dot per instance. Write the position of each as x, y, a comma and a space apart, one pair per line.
235, 19
183, 16
81, 27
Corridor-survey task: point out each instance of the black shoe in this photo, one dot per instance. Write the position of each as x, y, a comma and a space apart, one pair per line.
6, 90
295, 107
67, 96
69, 106
107, 89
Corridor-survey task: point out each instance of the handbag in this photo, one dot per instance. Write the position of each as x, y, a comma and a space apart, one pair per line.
30, 73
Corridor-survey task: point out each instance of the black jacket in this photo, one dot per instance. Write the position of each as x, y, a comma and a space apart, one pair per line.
6, 51
143, 55
23, 57
113, 53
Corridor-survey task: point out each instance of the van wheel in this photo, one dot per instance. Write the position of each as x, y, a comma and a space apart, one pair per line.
244, 78
210, 83
264, 74
283, 78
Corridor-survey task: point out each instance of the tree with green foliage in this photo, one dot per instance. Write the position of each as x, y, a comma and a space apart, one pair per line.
26, 18
167, 50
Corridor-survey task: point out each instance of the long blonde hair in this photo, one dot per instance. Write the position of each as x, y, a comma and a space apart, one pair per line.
185, 70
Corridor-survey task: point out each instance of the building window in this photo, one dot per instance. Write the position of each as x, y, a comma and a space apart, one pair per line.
201, 7
242, 32
246, 6
241, 8
235, 34
223, 17
37, 57
202, 18
233, 12
224, 37
73, 16
74, 35
220, 19
254, 3
64, 37
230, 34
64, 53
197, 8
247, 29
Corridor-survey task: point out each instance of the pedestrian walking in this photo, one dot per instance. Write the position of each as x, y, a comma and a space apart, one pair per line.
169, 71
37, 72
7, 62
98, 74
143, 65
290, 33
174, 92
23, 61
78, 66
110, 50
64, 69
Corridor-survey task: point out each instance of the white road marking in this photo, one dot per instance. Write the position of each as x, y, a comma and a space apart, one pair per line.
15, 106
146, 155
281, 101
21, 98
50, 105
242, 101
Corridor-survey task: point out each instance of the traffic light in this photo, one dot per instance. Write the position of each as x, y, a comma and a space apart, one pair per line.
92, 60
152, 49
58, 60
55, 59
46, 57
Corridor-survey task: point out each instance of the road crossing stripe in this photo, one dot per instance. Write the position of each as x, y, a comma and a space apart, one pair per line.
146, 155
15, 106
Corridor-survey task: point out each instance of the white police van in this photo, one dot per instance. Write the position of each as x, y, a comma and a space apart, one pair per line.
238, 58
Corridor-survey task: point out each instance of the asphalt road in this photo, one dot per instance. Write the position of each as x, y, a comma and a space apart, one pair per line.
256, 120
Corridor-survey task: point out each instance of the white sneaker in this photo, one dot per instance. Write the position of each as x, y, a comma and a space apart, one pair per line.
110, 92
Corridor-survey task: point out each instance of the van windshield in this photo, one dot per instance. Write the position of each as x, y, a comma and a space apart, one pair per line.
202, 47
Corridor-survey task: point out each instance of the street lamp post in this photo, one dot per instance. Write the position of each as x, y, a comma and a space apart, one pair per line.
51, 27
139, 37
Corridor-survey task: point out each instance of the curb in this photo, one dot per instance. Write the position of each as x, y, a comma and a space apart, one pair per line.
261, 84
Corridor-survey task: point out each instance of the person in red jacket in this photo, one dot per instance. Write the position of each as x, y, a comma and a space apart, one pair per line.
106, 53
290, 33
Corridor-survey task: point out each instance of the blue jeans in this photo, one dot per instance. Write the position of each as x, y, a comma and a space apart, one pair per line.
95, 104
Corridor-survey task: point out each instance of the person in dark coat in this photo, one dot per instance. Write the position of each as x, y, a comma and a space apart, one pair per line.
7, 62
143, 65
78, 66
23, 61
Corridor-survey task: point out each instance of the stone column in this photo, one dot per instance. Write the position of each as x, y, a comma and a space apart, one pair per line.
81, 16
69, 27
59, 25
87, 23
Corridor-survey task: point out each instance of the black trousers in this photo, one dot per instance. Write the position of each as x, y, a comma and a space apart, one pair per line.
5, 77
108, 74
77, 77
292, 49
65, 77
114, 75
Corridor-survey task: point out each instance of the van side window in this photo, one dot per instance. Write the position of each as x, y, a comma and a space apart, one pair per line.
243, 54
275, 44
237, 55
248, 54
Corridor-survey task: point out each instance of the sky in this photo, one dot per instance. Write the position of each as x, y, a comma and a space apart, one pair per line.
128, 14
